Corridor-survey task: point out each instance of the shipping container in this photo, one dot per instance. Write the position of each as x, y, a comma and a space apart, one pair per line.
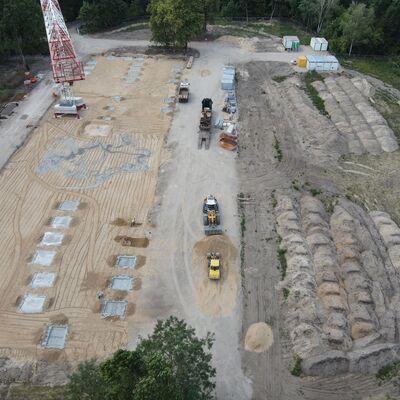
334, 63
324, 44
228, 78
291, 42
311, 63
322, 63
227, 85
319, 44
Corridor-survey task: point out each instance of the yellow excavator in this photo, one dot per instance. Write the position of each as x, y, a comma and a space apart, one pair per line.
214, 266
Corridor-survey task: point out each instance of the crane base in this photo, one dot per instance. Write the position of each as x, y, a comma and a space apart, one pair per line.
69, 107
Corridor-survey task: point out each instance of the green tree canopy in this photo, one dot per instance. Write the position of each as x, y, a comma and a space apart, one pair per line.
21, 28
170, 364
357, 24
175, 22
103, 14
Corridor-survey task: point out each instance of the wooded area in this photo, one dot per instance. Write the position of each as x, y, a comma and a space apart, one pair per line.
362, 27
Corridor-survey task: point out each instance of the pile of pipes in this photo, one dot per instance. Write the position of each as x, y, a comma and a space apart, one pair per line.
228, 78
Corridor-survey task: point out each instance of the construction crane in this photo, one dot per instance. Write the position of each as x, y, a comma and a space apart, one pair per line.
65, 64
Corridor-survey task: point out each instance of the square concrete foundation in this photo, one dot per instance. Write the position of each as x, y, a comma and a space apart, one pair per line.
55, 337
121, 282
69, 205
61, 222
43, 280
52, 239
32, 304
114, 308
43, 257
126, 261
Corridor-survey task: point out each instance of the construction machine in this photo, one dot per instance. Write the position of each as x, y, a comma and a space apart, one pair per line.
183, 95
211, 216
214, 266
205, 123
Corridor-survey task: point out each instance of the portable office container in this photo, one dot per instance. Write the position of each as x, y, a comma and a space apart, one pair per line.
291, 42
319, 44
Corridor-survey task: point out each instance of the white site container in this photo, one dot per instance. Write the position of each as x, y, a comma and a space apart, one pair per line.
319, 63
316, 45
319, 44
228, 70
327, 65
334, 63
324, 44
311, 63
288, 41
227, 85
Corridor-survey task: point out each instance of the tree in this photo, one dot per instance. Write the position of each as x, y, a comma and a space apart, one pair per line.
357, 24
324, 8
103, 14
121, 373
70, 9
137, 9
87, 383
387, 14
172, 363
208, 8
173, 353
22, 28
175, 22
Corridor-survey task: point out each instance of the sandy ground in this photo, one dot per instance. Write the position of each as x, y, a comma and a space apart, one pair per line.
173, 276
108, 161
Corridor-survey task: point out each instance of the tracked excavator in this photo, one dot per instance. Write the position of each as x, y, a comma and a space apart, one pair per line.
211, 216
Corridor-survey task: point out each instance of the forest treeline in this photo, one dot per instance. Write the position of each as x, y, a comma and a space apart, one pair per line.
357, 27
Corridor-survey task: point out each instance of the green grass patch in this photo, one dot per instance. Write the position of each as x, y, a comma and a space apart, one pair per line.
286, 292
274, 201
282, 262
242, 226
136, 27
282, 28
280, 78
389, 106
277, 147
385, 69
309, 78
389, 372
6, 94
296, 367
251, 29
296, 185
23, 392
315, 192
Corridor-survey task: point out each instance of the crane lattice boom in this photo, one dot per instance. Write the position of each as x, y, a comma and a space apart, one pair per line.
65, 64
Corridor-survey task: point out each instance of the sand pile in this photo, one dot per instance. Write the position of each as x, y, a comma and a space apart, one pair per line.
216, 298
259, 338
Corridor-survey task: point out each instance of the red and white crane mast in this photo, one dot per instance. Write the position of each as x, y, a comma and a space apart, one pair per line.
65, 64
